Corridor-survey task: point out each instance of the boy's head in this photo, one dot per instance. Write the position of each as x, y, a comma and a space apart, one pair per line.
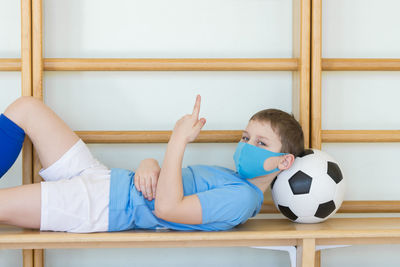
286, 128
276, 139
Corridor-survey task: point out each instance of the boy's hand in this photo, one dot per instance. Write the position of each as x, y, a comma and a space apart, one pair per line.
189, 126
146, 178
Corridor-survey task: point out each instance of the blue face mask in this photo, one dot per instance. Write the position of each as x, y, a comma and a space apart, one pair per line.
249, 160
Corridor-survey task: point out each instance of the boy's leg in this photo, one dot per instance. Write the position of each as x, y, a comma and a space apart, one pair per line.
50, 135
20, 206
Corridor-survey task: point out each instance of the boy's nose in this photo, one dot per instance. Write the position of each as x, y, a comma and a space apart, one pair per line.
251, 142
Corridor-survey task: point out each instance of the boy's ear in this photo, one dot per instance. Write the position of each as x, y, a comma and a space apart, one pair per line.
286, 162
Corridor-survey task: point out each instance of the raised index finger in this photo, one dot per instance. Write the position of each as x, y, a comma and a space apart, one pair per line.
196, 109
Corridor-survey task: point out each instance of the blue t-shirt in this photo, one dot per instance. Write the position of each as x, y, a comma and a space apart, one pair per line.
226, 200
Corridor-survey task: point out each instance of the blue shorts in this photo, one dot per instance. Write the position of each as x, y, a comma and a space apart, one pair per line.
11, 140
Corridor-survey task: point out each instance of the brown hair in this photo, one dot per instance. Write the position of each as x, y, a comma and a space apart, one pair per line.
286, 126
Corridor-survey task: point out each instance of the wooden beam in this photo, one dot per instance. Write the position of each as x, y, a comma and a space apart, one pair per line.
361, 64
10, 64
27, 260
301, 77
26, 47
221, 136
171, 64
37, 49
306, 252
355, 136
316, 69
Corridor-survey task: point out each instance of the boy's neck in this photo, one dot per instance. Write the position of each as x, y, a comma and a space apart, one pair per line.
263, 182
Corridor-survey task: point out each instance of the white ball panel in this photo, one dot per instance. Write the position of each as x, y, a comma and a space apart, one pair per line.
310, 219
323, 188
281, 192
304, 205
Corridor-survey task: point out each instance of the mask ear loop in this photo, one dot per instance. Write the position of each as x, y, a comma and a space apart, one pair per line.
276, 169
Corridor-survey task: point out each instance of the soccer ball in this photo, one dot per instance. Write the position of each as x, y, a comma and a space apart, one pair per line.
311, 190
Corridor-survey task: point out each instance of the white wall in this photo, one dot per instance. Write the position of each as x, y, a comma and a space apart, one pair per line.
154, 100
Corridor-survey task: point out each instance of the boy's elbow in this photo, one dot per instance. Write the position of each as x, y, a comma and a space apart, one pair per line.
162, 211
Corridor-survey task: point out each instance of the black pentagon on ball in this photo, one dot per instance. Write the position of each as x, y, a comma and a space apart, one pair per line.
300, 183
325, 209
334, 172
272, 183
287, 212
306, 152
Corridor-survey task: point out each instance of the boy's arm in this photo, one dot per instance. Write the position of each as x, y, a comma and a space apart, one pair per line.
170, 204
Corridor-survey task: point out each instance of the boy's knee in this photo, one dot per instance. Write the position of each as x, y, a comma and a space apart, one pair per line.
21, 108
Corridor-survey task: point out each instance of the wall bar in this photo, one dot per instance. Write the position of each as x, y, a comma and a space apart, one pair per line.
170, 64
10, 64
316, 73
301, 77
226, 136
354, 136
357, 64
233, 136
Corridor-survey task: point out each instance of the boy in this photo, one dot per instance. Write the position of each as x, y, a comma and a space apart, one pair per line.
82, 195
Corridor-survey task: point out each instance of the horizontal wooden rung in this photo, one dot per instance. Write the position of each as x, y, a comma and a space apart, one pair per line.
358, 64
355, 136
378, 206
10, 64
171, 64
216, 136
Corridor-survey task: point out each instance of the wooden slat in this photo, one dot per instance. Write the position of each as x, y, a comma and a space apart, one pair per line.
306, 252
360, 206
27, 168
26, 82
255, 232
343, 136
10, 64
361, 64
26, 47
37, 47
222, 136
316, 53
37, 92
301, 78
38, 257
27, 255
26, 86
37, 71
173, 64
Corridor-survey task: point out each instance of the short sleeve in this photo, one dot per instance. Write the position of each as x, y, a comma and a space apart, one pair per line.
232, 204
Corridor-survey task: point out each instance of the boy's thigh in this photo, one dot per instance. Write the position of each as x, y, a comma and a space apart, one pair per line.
21, 206
78, 159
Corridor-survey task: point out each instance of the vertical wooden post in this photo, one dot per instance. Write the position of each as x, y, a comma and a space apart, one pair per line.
37, 68
27, 257
306, 253
26, 82
316, 75
301, 77
37, 92
26, 86
26, 47
37, 49
316, 69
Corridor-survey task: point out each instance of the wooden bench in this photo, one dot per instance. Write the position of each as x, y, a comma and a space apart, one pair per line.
255, 233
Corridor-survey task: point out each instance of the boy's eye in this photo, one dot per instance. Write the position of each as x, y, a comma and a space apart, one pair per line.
261, 143
244, 138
